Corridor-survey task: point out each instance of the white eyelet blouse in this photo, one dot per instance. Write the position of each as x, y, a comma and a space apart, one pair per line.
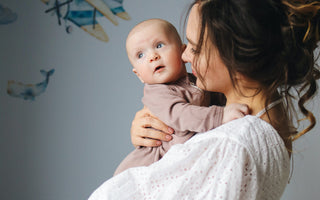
243, 159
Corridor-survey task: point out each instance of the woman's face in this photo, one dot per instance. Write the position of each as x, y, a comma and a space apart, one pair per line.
214, 72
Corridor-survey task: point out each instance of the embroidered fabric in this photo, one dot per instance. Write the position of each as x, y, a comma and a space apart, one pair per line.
242, 159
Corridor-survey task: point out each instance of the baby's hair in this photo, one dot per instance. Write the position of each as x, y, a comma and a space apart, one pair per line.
269, 41
169, 27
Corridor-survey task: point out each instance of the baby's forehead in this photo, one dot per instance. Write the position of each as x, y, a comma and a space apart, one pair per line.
143, 27
148, 30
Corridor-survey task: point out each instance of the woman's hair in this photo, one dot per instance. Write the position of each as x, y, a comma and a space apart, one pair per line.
269, 41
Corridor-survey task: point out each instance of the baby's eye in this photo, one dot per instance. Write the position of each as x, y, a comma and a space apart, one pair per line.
140, 55
160, 45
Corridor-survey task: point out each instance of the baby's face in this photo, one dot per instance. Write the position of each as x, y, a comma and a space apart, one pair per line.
154, 54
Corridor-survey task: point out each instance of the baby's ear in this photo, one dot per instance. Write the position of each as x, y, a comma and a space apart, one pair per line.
138, 75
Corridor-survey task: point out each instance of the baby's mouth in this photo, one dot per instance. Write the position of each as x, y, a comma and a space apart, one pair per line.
158, 68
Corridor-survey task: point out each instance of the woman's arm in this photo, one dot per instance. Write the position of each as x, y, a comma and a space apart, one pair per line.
147, 130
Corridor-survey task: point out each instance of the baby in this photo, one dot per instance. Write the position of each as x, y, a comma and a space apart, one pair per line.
154, 49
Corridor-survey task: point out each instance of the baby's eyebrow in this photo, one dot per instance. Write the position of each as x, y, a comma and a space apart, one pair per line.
136, 50
155, 42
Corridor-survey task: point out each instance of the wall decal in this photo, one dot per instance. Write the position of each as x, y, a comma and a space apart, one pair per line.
29, 91
7, 16
83, 14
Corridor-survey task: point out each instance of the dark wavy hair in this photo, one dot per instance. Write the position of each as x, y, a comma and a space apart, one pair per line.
268, 41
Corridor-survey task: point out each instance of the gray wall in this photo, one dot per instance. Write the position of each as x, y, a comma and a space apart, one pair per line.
70, 139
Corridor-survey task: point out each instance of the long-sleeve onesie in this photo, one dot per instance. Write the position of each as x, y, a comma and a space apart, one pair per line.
180, 105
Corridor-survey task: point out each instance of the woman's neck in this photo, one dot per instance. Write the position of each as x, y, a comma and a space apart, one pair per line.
255, 102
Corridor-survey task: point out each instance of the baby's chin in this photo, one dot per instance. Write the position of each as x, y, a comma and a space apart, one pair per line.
164, 77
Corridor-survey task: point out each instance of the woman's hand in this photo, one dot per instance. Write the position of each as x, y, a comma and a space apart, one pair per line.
147, 130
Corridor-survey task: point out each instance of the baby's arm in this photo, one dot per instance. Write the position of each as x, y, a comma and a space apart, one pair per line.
173, 109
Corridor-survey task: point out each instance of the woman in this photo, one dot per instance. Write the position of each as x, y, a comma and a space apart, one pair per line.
254, 52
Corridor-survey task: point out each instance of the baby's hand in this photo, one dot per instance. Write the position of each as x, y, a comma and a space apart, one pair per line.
234, 111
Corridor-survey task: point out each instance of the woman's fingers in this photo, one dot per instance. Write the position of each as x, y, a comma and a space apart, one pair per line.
155, 134
148, 130
148, 137
152, 121
145, 142
155, 123
145, 119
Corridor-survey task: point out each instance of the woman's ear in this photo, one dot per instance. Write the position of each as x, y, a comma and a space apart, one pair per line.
138, 75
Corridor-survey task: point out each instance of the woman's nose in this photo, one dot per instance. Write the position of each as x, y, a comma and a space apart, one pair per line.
154, 57
185, 57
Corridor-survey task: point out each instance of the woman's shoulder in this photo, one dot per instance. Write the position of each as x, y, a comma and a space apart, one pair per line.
248, 126
250, 132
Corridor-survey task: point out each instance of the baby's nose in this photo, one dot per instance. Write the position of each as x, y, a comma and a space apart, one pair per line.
155, 57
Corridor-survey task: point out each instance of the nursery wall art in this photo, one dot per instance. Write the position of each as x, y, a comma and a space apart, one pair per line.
84, 14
